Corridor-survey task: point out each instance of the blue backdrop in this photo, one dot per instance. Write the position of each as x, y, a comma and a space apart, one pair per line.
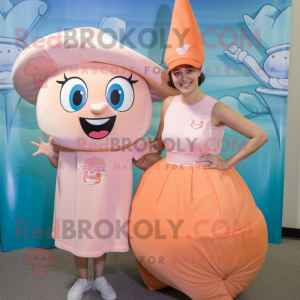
260, 27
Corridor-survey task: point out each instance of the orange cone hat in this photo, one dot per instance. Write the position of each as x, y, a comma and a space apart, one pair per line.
188, 50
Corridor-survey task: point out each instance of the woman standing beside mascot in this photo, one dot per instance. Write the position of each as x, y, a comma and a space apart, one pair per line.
194, 224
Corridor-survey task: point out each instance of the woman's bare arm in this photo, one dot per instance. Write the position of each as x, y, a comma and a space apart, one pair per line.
149, 159
225, 115
158, 137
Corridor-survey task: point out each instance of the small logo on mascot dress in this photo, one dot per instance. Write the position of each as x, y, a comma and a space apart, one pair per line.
183, 50
93, 169
196, 122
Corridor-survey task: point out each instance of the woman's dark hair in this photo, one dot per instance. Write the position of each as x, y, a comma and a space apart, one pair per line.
170, 83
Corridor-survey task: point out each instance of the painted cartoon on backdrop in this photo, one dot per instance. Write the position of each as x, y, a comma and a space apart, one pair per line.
14, 29
268, 27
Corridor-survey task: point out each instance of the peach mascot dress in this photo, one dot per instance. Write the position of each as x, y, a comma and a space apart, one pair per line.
197, 230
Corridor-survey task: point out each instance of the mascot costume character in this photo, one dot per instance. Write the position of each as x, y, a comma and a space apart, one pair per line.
93, 100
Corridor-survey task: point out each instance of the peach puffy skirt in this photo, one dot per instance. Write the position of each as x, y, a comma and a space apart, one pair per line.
197, 230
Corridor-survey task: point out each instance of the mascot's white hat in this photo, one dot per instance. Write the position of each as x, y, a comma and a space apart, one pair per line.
71, 47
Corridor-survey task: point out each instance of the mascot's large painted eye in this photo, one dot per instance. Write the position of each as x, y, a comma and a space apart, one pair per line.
119, 93
73, 94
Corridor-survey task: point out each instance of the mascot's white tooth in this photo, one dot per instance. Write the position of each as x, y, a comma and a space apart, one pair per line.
97, 121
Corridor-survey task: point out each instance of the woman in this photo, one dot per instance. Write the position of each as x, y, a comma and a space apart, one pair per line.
194, 223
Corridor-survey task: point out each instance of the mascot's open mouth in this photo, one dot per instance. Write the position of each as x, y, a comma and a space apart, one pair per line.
97, 128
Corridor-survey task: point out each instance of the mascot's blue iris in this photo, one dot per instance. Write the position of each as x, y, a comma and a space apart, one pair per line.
77, 97
115, 96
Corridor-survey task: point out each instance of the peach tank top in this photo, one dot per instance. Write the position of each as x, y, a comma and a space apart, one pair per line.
188, 131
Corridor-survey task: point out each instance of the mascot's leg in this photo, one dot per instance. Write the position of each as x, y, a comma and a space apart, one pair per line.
151, 281
221, 237
213, 268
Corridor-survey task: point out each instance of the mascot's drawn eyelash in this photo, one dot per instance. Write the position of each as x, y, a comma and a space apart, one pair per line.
66, 79
131, 81
63, 82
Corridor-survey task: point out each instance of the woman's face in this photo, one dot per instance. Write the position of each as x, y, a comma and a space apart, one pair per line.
185, 78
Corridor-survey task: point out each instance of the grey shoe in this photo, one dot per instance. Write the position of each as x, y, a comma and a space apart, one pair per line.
78, 288
101, 285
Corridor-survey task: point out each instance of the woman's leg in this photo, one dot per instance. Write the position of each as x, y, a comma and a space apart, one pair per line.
99, 263
82, 266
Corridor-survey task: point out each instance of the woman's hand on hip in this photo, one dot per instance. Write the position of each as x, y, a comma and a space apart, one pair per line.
214, 161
